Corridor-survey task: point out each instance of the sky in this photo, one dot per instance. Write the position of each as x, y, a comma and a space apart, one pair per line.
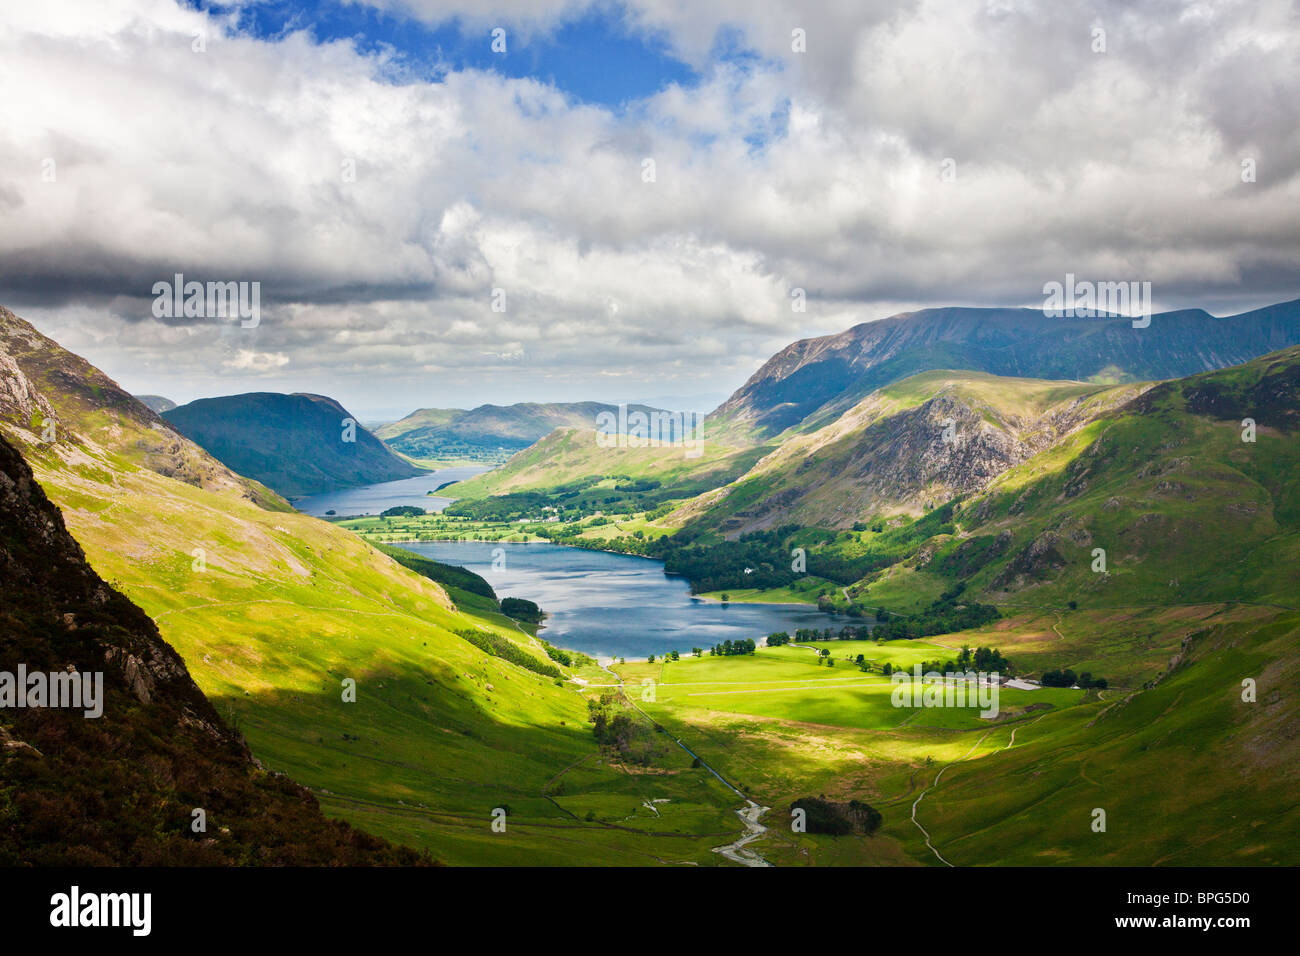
449, 203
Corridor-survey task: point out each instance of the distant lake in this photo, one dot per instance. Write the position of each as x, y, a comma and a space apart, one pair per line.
373, 499
616, 605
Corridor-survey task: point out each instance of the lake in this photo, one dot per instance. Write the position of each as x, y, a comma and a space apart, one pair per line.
373, 499
617, 605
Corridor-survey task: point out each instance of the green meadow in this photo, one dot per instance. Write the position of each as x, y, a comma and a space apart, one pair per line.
1021, 788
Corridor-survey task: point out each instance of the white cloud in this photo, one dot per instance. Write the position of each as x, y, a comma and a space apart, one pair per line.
818, 170
250, 361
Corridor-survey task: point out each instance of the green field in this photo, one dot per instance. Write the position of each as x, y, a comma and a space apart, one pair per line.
803, 591
785, 727
786, 684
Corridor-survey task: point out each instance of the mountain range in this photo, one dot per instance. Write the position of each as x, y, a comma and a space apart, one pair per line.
488, 433
851, 427
811, 382
1191, 487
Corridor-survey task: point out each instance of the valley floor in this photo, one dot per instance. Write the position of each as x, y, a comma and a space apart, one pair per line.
1171, 771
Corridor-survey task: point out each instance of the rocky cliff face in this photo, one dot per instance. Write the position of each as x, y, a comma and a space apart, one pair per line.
882, 457
53, 592
121, 788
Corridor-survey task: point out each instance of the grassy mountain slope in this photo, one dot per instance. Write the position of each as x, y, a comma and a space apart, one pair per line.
889, 454
121, 788
488, 432
1185, 509
52, 398
1187, 772
809, 382
572, 456
296, 444
272, 611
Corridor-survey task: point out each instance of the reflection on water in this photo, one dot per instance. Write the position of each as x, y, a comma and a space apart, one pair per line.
616, 605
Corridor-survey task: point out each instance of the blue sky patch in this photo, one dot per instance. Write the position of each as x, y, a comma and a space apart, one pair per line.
595, 58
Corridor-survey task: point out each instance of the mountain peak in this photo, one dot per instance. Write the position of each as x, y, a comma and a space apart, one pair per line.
298, 444
811, 381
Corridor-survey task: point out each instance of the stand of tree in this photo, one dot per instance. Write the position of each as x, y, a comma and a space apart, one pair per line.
521, 610
449, 574
847, 633
758, 560
617, 730
507, 650
1067, 678
837, 819
732, 648
944, 616
988, 660
567, 658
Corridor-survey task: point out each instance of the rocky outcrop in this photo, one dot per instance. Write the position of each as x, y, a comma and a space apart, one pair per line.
1037, 561
120, 788
43, 569
877, 459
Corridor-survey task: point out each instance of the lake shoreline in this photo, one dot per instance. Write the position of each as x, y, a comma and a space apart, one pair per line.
601, 604
369, 500
624, 554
